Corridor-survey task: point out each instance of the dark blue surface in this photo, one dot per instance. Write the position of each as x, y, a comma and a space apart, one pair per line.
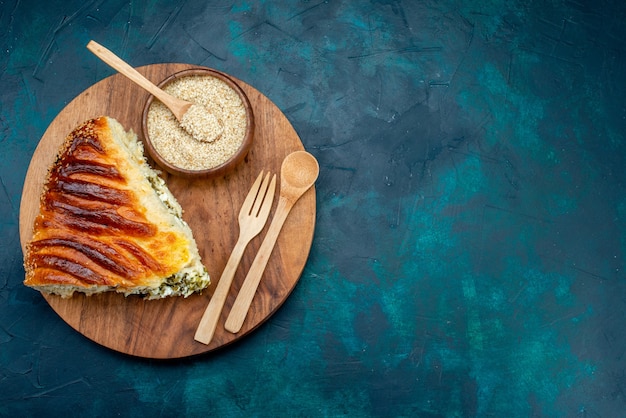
469, 250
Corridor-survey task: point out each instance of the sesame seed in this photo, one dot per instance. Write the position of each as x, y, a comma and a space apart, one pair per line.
201, 124
177, 146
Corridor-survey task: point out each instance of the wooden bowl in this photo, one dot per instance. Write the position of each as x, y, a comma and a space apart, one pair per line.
222, 168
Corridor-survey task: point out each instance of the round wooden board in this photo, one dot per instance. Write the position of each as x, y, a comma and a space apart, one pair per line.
165, 328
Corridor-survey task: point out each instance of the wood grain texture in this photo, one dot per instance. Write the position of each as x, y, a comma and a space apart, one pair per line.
165, 328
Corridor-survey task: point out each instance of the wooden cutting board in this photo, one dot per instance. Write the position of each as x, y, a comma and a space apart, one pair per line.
165, 328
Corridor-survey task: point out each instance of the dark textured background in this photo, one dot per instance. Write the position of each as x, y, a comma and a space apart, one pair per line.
469, 251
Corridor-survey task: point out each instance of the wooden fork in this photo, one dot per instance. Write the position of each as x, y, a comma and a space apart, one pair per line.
252, 217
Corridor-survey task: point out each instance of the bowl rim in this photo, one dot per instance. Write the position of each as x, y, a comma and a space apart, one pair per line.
234, 159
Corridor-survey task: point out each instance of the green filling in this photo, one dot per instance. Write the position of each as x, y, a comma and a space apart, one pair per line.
183, 283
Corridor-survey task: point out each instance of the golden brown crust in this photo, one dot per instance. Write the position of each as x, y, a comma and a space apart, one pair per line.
93, 230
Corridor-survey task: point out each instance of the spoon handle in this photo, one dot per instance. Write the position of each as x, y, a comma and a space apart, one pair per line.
244, 299
125, 69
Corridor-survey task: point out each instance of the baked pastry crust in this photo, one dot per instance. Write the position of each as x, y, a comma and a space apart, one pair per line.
107, 222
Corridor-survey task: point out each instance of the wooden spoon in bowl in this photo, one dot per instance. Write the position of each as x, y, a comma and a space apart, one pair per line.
201, 124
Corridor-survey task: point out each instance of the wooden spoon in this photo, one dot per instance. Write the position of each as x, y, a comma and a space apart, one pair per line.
203, 127
297, 174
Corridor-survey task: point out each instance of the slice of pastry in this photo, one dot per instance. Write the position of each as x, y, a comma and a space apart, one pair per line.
108, 222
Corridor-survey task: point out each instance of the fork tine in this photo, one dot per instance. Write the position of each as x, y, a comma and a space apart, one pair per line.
246, 207
269, 198
260, 198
